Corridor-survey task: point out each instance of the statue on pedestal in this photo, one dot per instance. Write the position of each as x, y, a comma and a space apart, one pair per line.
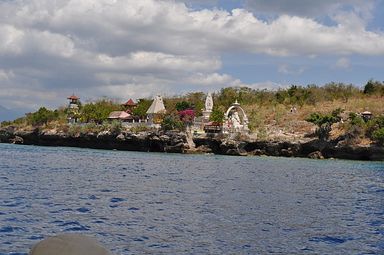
208, 107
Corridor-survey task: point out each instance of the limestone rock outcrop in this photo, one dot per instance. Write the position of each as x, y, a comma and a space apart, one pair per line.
177, 142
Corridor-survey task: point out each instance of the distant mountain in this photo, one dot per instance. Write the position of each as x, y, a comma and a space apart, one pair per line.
10, 114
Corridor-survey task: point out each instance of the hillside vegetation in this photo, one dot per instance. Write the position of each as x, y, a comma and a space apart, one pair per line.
290, 113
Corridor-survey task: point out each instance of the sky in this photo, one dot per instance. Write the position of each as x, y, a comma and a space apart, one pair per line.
121, 49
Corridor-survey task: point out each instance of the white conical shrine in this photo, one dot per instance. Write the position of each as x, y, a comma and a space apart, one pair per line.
155, 111
157, 106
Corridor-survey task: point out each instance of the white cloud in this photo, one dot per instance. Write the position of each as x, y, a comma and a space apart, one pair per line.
305, 8
10, 38
134, 90
106, 46
121, 27
343, 63
269, 85
166, 61
286, 69
31, 98
6, 75
212, 79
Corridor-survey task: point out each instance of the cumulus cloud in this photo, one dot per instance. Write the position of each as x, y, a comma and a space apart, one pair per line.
305, 8
6, 75
199, 3
286, 69
156, 60
212, 79
134, 48
269, 85
343, 63
121, 27
10, 38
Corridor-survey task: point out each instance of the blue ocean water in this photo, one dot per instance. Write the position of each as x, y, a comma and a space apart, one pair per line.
152, 203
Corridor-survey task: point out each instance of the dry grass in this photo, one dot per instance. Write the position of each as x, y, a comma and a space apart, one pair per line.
278, 120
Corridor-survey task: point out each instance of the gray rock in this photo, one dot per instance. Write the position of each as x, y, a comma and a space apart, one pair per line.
316, 155
17, 140
177, 148
104, 134
164, 138
233, 148
68, 244
287, 152
120, 137
154, 138
258, 152
204, 149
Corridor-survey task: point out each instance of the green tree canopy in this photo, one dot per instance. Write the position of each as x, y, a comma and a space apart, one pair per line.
142, 107
183, 105
217, 115
42, 116
98, 111
374, 87
324, 122
172, 122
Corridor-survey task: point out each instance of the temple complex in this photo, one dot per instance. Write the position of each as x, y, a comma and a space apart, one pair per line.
235, 119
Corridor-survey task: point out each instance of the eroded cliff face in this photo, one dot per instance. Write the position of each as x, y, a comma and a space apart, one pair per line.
315, 149
144, 141
176, 142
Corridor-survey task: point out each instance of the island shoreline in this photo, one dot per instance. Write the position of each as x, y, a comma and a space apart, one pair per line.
177, 142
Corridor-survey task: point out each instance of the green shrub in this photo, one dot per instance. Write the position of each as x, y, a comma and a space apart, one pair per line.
140, 128
116, 127
356, 128
42, 116
378, 136
5, 123
324, 122
217, 115
356, 120
379, 121
374, 125
373, 87
183, 105
90, 128
172, 122
74, 130
141, 108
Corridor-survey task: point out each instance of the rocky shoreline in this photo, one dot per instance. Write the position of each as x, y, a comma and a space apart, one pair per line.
177, 142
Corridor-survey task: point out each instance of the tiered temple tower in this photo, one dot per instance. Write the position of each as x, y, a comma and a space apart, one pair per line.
73, 108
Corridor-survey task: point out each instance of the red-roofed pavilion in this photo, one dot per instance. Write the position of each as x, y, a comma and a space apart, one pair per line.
73, 98
130, 103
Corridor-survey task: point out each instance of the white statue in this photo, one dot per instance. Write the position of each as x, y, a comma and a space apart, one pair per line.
233, 121
235, 118
209, 103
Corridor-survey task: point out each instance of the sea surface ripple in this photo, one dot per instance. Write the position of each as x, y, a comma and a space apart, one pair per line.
152, 203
